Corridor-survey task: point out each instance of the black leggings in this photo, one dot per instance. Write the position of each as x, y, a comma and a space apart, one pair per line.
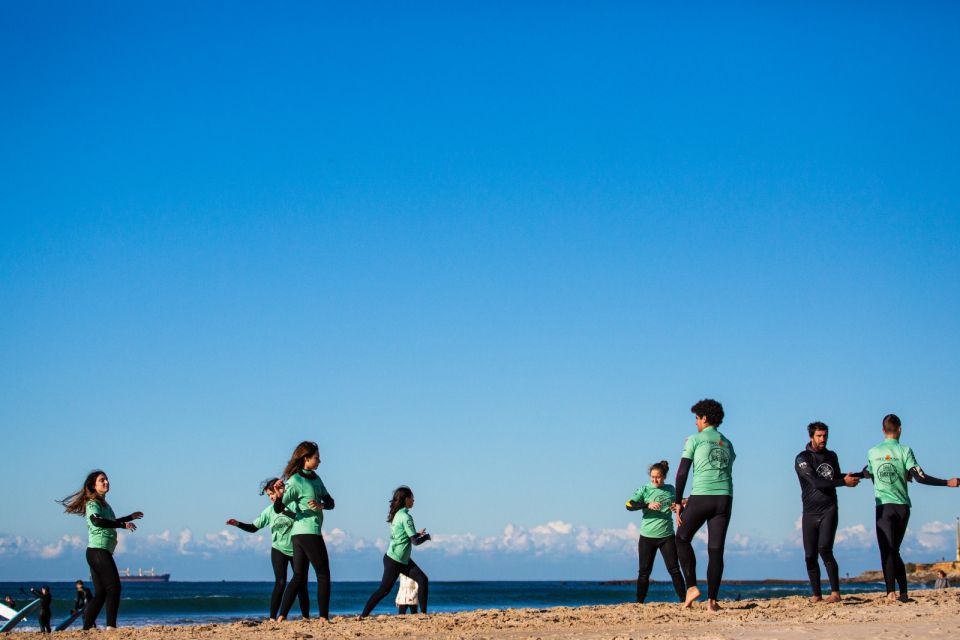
391, 571
280, 561
715, 511
891, 527
647, 550
106, 588
45, 621
309, 549
819, 530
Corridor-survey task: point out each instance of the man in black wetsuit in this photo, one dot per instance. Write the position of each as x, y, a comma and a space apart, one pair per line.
84, 595
819, 472
46, 598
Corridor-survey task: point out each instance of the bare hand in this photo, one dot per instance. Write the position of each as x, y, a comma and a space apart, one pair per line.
850, 481
654, 505
136, 515
316, 506
422, 532
232, 522
953, 482
130, 526
279, 487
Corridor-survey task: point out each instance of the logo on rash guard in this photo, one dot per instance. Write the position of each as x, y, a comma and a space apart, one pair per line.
282, 522
887, 473
719, 458
825, 471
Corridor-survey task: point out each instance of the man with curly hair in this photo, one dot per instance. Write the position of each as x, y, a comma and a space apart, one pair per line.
711, 456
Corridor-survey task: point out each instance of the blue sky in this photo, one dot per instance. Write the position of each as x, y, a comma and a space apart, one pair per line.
492, 251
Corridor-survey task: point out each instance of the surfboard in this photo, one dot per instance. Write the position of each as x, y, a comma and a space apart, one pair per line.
69, 621
20, 615
6, 612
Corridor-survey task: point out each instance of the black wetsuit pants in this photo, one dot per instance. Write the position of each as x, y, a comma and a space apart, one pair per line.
391, 571
106, 588
819, 530
891, 527
309, 549
647, 551
715, 511
403, 609
280, 561
45, 621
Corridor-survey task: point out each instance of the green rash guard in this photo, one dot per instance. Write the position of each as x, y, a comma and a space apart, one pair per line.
280, 526
299, 492
659, 523
100, 537
712, 455
888, 463
401, 531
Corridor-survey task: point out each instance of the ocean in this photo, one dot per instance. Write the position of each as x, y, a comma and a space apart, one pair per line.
180, 603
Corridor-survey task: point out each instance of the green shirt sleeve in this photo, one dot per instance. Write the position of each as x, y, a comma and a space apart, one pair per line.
637, 495
689, 446
408, 527
291, 492
264, 519
909, 460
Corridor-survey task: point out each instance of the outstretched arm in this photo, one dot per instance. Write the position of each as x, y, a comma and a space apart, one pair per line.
104, 523
916, 473
249, 528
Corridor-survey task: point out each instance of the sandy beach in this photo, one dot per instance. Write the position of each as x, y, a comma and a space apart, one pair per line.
930, 614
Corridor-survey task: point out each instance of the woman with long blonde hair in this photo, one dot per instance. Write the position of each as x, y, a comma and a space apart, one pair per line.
91, 503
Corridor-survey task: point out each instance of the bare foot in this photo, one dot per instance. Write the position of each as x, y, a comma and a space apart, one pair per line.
816, 599
280, 618
891, 597
692, 594
712, 606
834, 597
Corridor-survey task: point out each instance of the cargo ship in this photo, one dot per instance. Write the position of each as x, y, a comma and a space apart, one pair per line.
144, 576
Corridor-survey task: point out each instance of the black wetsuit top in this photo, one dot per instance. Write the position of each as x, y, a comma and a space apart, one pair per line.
84, 596
819, 474
46, 599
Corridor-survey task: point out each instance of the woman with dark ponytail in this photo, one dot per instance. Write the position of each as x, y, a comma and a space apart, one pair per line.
397, 560
281, 548
656, 500
91, 502
307, 497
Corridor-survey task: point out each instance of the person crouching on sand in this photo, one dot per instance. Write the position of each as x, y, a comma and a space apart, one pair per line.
406, 596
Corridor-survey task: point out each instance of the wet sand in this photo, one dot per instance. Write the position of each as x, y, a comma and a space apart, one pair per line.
930, 614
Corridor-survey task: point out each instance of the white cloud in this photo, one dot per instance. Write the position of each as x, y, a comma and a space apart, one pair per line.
856, 536
935, 536
49, 551
554, 538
